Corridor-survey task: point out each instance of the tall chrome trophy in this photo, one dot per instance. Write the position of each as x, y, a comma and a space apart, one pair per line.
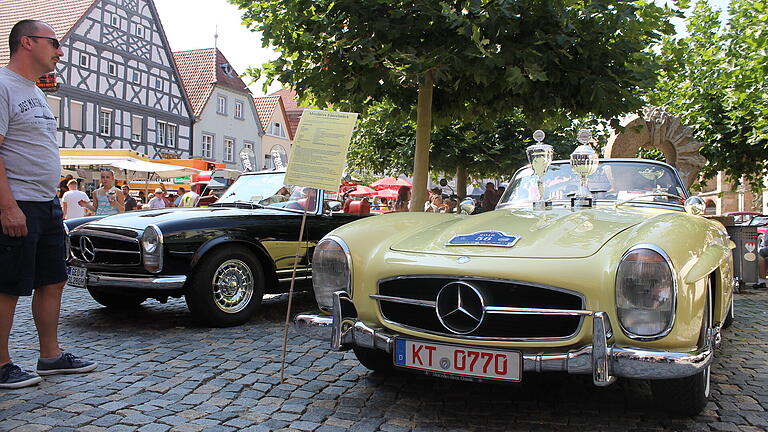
584, 163
540, 157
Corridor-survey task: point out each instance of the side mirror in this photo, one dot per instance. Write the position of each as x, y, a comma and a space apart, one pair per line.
695, 205
467, 206
334, 206
443, 182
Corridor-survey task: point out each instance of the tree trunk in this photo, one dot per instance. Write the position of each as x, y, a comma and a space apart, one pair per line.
461, 181
423, 131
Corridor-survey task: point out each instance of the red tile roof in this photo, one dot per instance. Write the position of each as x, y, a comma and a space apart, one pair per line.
265, 107
62, 15
201, 70
289, 97
294, 117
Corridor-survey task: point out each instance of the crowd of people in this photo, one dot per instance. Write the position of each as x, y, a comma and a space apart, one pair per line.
110, 199
437, 202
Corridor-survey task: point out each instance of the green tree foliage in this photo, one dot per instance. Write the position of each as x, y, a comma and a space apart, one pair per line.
494, 150
463, 59
716, 79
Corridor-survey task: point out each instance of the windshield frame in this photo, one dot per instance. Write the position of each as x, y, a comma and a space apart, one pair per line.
566, 202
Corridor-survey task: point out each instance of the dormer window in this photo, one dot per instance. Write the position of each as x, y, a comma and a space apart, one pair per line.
227, 69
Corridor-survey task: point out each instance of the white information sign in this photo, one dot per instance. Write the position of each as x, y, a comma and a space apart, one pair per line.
319, 150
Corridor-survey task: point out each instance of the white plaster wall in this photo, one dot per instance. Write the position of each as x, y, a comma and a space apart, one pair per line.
228, 126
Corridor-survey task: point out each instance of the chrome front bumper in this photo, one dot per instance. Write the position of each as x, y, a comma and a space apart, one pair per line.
605, 362
158, 283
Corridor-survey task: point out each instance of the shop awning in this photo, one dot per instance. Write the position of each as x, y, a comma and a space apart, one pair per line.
160, 169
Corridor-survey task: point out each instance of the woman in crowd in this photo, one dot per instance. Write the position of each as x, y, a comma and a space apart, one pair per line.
403, 198
107, 200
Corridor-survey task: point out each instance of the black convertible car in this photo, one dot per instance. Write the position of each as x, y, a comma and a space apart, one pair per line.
221, 258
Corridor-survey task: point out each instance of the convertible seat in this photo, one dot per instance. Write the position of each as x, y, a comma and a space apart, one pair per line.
359, 207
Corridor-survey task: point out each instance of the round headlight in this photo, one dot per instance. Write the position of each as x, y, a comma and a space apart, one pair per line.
152, 245
150, 241
645, 293
331, 270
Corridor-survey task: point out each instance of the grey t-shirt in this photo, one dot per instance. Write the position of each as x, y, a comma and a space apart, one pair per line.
29, 150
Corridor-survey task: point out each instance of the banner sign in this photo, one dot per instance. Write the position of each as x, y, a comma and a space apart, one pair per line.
320, 148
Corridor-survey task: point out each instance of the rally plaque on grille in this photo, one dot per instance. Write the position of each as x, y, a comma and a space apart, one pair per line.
459, 361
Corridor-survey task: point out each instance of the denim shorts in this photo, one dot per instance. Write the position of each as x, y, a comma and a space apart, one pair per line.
37, 259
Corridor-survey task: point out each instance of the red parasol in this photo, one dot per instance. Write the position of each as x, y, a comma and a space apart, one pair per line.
362, 191
390, 183
387, 193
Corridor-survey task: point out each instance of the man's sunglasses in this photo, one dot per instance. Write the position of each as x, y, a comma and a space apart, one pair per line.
55, 42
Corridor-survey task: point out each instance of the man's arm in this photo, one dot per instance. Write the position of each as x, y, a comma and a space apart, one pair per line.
11, 217
64, 207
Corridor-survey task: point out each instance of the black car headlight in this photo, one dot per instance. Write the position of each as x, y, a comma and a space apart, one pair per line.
331, 270
152, 249
646, 292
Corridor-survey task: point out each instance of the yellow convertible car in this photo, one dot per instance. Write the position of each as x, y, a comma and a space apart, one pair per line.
615, 274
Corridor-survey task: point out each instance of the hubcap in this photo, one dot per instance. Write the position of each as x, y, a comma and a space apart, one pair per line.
232, 286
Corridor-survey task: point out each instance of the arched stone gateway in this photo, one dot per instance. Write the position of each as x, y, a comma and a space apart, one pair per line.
659, 129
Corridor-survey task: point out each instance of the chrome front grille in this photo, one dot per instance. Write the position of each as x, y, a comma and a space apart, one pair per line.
118, 247
492, 309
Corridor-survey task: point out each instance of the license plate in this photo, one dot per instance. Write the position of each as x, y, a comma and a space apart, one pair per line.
461, 361
76, 276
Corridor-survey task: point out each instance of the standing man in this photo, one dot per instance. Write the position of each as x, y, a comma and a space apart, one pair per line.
70, 201
32, 239
177, 201
130, 202
158, 201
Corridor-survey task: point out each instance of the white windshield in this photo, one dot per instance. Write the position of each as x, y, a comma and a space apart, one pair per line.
269, 189
613, 181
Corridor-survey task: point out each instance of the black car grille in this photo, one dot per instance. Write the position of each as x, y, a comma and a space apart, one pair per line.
118, 247
410, 301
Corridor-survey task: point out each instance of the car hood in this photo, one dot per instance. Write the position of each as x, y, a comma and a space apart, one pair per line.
556, 233
139, 220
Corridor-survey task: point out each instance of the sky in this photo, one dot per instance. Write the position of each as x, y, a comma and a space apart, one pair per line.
192, 24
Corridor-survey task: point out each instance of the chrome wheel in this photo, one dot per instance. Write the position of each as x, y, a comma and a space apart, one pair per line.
232, 286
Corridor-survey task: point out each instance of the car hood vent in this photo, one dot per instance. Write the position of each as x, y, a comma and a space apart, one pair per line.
558, 233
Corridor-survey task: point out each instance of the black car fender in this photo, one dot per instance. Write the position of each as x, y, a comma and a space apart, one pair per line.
231, 238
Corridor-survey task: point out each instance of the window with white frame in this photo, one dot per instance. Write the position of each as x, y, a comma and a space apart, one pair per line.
229, 150
207, 147
238, 109
54, 103
158, 83
136, 127
277, 130
136, 78
85, 60
139, 30
162, 130
105, 121
115, 20
221, 108
171, 135
112, 69
248, 145
76, 115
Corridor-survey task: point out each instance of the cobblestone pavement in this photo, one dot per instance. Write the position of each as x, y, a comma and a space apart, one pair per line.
160, 371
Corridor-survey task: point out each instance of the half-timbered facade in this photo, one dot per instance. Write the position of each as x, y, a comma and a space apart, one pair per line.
119, 85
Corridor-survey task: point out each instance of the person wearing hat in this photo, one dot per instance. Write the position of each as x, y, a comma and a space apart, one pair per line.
157, 202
